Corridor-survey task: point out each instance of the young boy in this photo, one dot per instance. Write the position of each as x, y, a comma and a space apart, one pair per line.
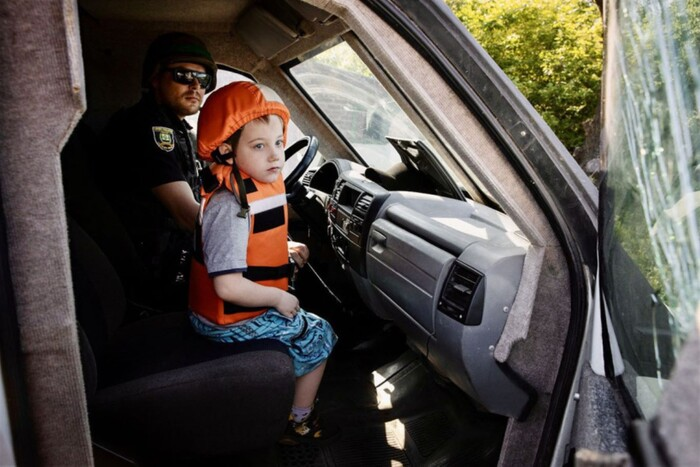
240, 293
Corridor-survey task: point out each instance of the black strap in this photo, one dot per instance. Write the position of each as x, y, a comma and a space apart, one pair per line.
242, 196
230, 308
197, 249
256, 273
208, 180
259, 273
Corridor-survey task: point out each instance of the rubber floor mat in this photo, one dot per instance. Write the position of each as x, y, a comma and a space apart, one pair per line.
302, 456
394, 411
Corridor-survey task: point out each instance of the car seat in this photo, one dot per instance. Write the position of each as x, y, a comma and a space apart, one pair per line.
86, 204
156, 391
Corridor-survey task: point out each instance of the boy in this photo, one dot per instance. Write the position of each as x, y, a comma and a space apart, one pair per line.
241, 294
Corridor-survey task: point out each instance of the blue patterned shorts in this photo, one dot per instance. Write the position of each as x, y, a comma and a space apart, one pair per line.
309, 338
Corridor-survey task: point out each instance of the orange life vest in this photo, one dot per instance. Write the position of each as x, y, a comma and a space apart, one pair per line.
267, 255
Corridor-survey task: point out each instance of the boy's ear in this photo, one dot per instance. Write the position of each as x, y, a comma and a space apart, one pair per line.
225, 148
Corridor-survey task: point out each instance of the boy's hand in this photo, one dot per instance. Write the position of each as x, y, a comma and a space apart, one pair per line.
288, 304
237, 289
298, 252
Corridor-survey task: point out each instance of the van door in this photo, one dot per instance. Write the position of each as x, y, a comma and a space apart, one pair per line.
650, 236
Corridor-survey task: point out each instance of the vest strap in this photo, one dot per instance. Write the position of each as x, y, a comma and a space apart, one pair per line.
208, 180
261, 273
243, 197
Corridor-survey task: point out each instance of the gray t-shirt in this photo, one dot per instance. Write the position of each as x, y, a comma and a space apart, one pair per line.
224, 235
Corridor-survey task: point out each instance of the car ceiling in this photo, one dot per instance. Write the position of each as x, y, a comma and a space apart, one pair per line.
213, 11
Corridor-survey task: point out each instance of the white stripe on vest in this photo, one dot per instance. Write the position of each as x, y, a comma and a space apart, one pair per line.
266, 204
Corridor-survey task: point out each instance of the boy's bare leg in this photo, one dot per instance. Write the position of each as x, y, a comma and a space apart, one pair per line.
306, 387
301, 426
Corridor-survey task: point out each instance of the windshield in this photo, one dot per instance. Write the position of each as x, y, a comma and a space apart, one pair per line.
651, 245
354, 101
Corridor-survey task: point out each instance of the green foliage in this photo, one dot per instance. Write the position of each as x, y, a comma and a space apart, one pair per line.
654, 136
551, 49
342, 57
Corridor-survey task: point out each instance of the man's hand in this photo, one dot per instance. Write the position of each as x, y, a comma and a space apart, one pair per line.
298, 252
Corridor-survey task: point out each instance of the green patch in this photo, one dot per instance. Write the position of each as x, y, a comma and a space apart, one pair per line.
164, 138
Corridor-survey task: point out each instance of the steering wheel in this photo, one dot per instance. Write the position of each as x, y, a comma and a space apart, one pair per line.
292, 183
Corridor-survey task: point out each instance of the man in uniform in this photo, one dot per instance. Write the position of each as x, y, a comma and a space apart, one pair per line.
148, 168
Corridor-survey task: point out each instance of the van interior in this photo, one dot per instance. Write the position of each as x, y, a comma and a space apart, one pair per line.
444, 277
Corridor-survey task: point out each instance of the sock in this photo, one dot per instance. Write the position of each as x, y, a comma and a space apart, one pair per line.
299, 414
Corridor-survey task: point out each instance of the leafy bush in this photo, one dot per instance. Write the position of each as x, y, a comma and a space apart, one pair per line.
551, 49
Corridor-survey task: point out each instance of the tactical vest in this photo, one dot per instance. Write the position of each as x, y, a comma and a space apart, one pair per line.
267, 255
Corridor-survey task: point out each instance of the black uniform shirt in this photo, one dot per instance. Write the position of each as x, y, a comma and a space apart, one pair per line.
146, 146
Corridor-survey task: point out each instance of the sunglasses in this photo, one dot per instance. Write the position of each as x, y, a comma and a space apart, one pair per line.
185, 76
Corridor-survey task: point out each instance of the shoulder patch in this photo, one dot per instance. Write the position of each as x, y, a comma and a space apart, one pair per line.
164, 137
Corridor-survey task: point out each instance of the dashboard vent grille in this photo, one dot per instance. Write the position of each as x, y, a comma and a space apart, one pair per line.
461, 297
338, 188
306, 181
362, 205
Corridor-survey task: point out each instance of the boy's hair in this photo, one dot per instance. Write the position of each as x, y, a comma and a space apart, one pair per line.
236, 136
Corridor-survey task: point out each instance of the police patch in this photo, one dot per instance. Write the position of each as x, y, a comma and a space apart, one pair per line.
164, 137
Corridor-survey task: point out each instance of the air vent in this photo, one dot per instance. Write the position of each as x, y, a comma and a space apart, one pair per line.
362, 205
306, 181
338, 188
462, 297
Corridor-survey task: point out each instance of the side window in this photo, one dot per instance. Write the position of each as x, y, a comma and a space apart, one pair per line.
225, 75
650, 198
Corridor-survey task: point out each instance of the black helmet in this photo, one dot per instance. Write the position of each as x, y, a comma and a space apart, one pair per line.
176, 47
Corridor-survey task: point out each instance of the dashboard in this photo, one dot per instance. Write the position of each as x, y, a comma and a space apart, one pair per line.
444, 270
